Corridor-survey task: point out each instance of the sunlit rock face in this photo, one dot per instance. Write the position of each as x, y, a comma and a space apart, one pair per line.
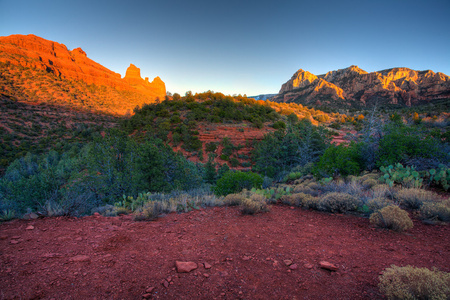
155, 88
353, 86
33, 52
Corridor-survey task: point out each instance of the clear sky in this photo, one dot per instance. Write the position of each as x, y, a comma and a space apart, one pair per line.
240, 47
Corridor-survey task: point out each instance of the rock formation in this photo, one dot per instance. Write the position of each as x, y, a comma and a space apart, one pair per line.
34, 53
354, 86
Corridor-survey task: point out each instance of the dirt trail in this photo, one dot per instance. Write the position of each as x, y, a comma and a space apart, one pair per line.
117, 258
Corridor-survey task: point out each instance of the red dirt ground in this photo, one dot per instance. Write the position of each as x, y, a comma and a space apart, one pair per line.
121, 259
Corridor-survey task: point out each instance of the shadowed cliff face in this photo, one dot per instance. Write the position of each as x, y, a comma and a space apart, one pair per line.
35, 54
354, 86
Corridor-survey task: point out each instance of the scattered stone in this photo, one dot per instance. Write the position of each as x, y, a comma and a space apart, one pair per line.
308, 266
80, 258
14, 242
207, 266
246, 258
165, 283
150, 289
16, 237
206, 275
30, 216
328, 266
185, 266
287, 262
8, 270
147, 296
78, 239
30, 227
293, 267
3, 237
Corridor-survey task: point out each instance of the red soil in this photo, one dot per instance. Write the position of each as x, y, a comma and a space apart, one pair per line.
116, 258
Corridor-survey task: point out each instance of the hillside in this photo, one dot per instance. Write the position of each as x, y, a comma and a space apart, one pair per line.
38, 128
35, 70
211, 123
354, 87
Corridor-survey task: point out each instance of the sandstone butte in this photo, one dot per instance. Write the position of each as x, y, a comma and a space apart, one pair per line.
33, 52
354, 86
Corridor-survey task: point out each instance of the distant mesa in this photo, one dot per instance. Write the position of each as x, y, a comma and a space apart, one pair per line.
353, 86
35, 53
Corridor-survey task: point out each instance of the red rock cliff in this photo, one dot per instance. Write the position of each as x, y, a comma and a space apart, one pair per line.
30, 51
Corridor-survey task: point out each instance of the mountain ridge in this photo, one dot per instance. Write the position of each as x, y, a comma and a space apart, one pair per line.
354, 86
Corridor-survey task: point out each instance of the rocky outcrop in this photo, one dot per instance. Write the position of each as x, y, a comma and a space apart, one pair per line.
156, 88
33, 52
354, 86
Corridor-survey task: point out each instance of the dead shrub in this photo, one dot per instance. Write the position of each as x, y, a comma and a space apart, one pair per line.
392, 217
414, 283
414, 198
253, 205
436, 211
339, 202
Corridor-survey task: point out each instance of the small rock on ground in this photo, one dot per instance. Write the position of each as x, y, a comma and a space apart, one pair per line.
328, 266
185, 266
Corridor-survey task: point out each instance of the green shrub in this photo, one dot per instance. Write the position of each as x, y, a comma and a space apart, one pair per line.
392, 217
339, 202
211, 147
279, 125
414, 283
401, 143
234, 182
234, 162
437, 211
414, 198
339, 160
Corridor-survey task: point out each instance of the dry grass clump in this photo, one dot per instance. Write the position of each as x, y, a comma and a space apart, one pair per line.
152, 210
369, 183
314, 185
383, 190
301, 200
339, 202
378, 203
436, 211
392, 217
414, 283
302, 188
255, 204
234, 199
310, 202
414, 198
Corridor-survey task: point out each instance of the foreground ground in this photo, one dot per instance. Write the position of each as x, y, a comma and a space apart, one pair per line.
238, 257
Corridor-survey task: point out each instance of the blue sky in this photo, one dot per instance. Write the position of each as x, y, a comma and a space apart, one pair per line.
240, 47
